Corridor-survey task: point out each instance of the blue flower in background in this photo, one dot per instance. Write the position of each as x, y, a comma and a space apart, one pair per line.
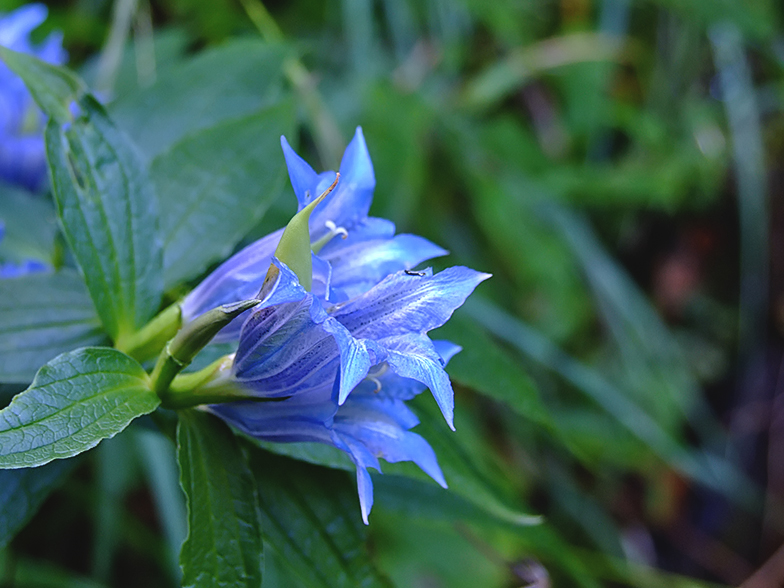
352, 252
22, 155
341, 375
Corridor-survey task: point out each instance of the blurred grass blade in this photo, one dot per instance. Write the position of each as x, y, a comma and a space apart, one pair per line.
656, 372
711, 470
158, 458
114, 466
23, 491
503, 77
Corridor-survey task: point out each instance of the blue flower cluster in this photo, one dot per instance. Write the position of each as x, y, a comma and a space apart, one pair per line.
22, 155
341, 360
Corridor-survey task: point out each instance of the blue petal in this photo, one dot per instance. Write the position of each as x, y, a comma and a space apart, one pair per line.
363, 459
414, 356
357, 267
386, 383
289, 345
284, 349
446, 349
17, 25
405, 303
303, 178
368, 229
305, 418
349, 204
23, 161
238, 278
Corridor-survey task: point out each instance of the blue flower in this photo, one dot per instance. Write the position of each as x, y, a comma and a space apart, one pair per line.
336, 364
353, 252
22, 156
340, 375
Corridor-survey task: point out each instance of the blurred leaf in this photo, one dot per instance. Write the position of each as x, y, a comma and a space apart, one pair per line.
75, 401
23, 491
706, 467
41, 316
224, 546
484, 366
53, 88
218, 182
24, 572
158, 456
311, 519
468, 475
114, 472
29, 227
223, 83
168, 48
504, 76
108, 210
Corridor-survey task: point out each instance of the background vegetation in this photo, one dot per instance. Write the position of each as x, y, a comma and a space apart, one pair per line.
614, 164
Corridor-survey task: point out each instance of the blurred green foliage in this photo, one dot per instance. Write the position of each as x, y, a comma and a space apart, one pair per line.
595, 156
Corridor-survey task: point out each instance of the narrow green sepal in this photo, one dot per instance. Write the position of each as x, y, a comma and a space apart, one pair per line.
294, 248
180, 351
152, 337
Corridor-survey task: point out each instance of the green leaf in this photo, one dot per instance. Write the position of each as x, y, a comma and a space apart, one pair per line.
109, 213
42, 316
158, 457
462, 456
53, 88
224, 545
311, 519
23, 491
75, 401
219, 182
227, 82
29, 226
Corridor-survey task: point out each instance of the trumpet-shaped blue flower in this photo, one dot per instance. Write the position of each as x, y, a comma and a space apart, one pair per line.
340, 375
22, 156
336, 364
352, 251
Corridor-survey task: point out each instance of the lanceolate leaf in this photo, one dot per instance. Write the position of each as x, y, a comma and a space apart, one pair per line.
108, 210
52, 87
311, 519
226, 82
215, 185
224, 545
75, 401
29, 226
41, 316
23, 491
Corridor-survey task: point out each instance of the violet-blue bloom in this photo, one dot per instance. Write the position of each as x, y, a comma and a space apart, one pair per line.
22, 156
354, 251
340, 375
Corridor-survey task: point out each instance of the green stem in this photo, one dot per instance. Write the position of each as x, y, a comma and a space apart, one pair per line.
180, 351
211, 385
152, 337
